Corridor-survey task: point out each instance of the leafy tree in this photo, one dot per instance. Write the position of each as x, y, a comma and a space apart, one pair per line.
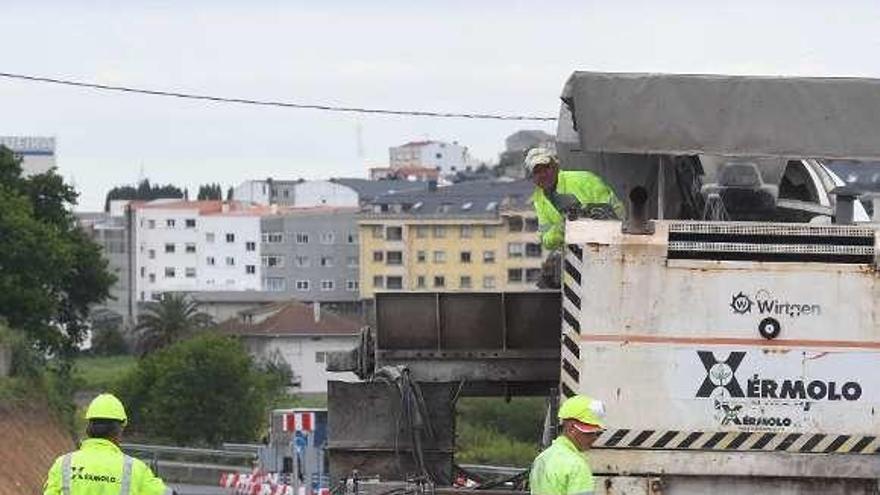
50, 271
205, 390
144, 192
210, 192
173, 318
229, 194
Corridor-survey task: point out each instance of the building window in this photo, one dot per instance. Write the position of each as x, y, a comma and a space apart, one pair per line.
394, 233
466, 231
275, 284
250, 269
230, 237
514, 275
190, 223
302, 238
273, 260
327, 285
439, 281
328, 238
421, 231
464, 282
151, 224
394, 283
352, 238
465, 256
351, 285
169, 272
209, 237
302, 285
488, 282
272, 237
488, 256
319, 356
326, 261
533, 274
514, 250
210, 261
394, 258
420, 282
351, 262
169, 248
143, 271
152, 278
190, 272
190, 247
377, 231
378, 256
489, 231
421, 256
515, 224
170, 223
230, 261
533, 250
439, 231
250, 246
301, 261
151, 254
531, 224
378, 281
439, 256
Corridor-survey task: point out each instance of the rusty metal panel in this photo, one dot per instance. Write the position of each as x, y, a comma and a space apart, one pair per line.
471, 321
533, 319
407, 321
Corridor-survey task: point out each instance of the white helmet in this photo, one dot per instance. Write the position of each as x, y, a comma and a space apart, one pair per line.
539, 156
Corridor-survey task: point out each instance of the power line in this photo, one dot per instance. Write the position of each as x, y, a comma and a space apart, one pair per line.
268, 103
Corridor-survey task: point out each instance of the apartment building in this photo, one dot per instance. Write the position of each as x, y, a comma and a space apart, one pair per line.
470, 236
196, 245
311, 254
447, 158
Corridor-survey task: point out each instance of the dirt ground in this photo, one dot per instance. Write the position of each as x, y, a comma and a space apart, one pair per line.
30, 440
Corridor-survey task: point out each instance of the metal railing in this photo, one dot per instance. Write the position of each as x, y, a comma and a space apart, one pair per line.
231, 454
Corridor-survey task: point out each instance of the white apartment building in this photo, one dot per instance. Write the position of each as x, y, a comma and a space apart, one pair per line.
296, 194
196, 246
448, 158
37, 153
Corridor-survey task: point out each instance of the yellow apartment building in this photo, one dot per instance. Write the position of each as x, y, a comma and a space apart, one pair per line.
464, 237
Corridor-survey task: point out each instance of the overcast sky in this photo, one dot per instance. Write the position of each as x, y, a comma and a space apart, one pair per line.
470, 56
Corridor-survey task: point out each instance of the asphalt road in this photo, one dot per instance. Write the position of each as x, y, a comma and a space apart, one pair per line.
199, 489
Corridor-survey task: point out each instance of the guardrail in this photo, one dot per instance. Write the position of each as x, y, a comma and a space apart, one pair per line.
232, 455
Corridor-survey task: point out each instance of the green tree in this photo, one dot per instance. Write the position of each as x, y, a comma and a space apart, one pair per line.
173, 318
50, 271
201, 391
144, 191
210, 192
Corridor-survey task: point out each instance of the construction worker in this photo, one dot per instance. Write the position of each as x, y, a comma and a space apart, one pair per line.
562, 469
99, 467
558, 191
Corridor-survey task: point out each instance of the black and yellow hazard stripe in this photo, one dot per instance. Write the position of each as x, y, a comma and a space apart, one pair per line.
571, 319
804, 443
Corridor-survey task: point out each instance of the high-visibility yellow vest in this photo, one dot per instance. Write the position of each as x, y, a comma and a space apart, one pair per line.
100, 468
561, 470
587, 187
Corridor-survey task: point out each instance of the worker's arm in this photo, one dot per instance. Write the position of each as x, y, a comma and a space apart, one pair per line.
552, 237
577, 480
146, 482
52, 486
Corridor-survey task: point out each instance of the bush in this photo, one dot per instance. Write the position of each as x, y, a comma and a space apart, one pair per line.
202, 391
108, 341
485, 445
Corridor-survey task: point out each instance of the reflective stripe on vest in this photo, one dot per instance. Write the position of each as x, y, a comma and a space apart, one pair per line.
66, 474
126, 476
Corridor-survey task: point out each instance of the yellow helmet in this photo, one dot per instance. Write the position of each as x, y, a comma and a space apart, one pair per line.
583, 409
106, 406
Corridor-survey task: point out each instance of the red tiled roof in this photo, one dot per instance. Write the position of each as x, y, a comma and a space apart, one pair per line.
290, 318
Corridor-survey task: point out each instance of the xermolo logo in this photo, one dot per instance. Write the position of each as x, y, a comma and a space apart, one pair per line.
721, 382
764, 303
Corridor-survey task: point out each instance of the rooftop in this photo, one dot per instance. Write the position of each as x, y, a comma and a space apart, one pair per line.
465, 198
370, 189
289, 319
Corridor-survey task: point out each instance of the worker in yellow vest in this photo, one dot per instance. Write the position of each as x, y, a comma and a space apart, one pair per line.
557, 191
563, 469
99, 467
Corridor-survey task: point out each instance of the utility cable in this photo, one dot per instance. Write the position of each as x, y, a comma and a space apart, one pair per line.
269, 103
